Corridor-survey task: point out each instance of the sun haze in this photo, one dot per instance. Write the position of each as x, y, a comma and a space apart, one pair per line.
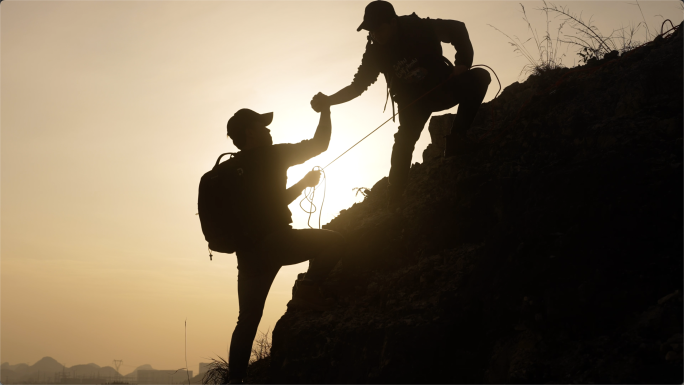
111, 113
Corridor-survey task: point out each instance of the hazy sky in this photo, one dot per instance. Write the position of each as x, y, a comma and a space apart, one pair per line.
111, 111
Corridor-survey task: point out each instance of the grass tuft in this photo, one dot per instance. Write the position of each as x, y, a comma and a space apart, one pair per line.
261, 348
219, 371
590, 42
547, 48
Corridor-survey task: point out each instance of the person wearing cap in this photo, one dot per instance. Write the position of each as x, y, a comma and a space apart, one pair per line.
408, 51
274, 243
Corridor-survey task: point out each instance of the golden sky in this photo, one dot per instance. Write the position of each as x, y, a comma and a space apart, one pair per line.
111, 111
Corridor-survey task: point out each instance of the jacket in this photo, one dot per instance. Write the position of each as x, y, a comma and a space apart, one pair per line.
413, 63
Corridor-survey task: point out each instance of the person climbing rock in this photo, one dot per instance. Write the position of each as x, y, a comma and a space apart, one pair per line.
273, 242
408, 51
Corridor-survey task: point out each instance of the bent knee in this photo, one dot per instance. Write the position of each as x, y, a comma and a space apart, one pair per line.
481, 75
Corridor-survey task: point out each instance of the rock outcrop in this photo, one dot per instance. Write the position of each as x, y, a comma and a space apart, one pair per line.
551, 252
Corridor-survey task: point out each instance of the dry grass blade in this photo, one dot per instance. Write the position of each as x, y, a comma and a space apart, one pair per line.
588, 38
547, 57
217, 372
584, 27
362, 190
262, 347
187, 373
627, 37
519, 46
648, 32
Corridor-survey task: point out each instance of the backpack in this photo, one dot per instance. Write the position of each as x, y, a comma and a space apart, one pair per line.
219, 203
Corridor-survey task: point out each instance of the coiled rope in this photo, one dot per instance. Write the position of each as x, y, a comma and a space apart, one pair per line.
309, 196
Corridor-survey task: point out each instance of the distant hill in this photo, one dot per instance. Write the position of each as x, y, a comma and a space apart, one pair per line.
134, 373
17, 368
92, 370
46, 367
43, 370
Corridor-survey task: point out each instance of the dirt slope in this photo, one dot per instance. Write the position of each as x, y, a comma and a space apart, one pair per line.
551, 253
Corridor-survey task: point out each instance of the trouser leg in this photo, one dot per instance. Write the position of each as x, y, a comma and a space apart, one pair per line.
411, 123
322, 248
253, 286
258, 269
469, 90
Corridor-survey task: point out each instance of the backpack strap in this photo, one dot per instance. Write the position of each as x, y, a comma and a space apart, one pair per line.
232, 154
447, 62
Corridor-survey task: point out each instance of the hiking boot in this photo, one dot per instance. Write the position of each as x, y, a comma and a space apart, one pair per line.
308, 296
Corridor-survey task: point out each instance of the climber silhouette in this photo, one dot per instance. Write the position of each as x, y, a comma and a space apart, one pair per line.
408, 51
274, 242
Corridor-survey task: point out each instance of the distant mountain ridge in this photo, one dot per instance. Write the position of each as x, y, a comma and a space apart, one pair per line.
47, 367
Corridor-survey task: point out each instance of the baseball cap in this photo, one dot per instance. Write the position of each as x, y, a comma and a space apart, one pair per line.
377, 12
246, 117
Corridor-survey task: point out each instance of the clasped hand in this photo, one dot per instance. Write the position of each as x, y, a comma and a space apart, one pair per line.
320, 102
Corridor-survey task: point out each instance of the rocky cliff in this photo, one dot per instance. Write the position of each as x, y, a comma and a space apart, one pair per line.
550, 252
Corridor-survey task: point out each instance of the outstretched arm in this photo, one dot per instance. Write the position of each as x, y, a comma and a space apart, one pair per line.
321, 138
297, 153
366, 75
342, 96
311, 179
308, 149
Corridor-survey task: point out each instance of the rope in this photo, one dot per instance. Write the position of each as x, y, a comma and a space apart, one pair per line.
495, 75
662, 25
309, 196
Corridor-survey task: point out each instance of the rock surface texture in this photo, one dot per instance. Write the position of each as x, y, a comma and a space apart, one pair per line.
550, 252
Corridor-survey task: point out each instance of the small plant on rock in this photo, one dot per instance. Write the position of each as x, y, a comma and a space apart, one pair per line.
219, 373
592, 43
361, 190
261, 348
547, 48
